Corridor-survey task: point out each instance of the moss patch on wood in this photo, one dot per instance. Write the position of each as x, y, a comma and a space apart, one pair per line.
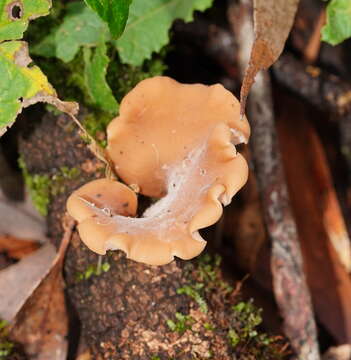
42, 187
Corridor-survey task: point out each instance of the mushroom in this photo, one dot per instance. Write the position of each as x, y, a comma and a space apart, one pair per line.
176, 142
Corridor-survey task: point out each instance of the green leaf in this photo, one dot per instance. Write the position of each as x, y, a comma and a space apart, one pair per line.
95, 78
338, 27
15, 15
113, 12
148, 25
80, 27
21, 84
46, 47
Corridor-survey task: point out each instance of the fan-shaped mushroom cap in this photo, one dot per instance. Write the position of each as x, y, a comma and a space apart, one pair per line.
161, 121
182, 149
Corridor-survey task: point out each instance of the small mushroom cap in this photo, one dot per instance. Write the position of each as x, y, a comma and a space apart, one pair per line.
161, 121
96, 202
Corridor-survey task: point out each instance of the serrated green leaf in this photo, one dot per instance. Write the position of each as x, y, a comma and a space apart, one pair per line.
338, 27
95, 78
22, 84
81, 26
114, 13
15, 15
148, 26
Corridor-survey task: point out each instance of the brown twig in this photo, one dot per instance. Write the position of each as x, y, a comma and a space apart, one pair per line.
325, 91
313, 46
289, 282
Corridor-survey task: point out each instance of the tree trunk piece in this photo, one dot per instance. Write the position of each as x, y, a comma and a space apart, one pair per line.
125, 311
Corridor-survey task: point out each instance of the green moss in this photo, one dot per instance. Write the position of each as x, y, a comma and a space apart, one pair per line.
181, 324
42, 187
39, 188
93, 270
6, 346
57, 180
194, 292
95, 124
209, 326
122, 78
246, 319
244, 334
249, 317
233, 337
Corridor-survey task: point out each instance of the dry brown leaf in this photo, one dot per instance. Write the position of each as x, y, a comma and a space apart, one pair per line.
18, 281
12, 213
273, 20
42, 324
17, 248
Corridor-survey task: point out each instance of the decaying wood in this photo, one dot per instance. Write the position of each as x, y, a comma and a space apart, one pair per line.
244, 225
318, 218
289, 283
124, 311
325, 91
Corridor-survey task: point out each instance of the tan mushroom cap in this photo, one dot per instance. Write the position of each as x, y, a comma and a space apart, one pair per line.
95, 203
182, 149
161, 121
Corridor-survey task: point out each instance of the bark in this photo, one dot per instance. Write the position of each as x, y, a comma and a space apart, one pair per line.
289, 283
325, 91
124, 311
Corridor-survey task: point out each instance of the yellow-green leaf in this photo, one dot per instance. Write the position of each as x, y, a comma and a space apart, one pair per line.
15, 15
22, 84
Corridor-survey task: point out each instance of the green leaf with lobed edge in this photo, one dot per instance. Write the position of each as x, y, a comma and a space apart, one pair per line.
81, 26
148, 26
22, 84
146, 31
96, 62
114, 13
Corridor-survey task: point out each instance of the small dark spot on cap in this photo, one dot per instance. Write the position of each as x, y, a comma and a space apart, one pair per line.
98, 195
121, 152
125, 204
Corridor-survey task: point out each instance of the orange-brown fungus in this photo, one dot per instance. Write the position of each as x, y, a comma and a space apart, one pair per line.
175, 142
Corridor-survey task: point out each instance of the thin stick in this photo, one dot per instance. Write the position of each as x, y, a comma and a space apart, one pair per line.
289, 283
